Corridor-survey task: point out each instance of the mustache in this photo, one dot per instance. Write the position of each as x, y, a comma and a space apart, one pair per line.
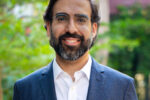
67, 35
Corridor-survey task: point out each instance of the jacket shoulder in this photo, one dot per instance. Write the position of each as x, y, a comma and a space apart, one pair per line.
116, 73
34, 76
111, 73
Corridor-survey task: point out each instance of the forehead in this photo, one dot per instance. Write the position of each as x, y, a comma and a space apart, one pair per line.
72, 7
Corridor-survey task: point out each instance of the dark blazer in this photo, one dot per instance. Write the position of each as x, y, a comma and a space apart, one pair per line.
105, 84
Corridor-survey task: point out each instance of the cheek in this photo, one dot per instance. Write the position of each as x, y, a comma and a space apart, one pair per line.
85, 31
58, 30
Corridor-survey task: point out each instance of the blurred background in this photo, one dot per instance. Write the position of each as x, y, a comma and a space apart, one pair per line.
123, 41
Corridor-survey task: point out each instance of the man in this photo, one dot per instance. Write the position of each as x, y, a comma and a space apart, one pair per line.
73, 74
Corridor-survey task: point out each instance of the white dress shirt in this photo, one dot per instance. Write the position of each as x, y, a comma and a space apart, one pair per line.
65, 88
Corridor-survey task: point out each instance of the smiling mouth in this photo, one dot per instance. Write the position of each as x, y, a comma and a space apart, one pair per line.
71, 41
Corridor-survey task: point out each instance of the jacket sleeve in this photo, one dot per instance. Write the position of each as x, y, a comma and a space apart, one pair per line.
130, 93
16, 93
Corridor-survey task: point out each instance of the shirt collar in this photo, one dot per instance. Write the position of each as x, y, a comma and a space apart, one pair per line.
86, 69
56, 69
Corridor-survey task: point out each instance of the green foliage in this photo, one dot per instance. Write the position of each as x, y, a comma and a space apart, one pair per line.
132, 27
11, 3
24, 47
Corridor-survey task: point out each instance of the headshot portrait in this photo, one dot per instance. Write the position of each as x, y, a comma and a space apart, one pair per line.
74, 74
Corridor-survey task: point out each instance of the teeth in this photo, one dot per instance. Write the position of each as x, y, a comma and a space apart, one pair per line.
71, 41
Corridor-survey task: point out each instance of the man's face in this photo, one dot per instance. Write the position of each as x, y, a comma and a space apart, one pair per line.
71, 30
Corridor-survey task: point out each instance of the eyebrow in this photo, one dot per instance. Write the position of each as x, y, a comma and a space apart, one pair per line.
77, 15
82, 15
61, 14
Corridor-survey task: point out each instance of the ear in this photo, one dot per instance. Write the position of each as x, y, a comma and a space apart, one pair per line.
47, 27
94, 29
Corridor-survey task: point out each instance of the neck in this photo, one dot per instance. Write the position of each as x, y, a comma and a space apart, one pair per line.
72, 66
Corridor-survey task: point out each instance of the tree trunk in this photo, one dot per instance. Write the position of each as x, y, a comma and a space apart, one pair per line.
104, 13
147, 87
1, 93
135, 62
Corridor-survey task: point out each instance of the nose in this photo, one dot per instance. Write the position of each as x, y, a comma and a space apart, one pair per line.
72, 27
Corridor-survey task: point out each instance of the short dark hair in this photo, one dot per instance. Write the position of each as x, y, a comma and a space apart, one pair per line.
49, 12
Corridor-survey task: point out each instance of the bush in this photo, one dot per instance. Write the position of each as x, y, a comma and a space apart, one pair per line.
24, 47
133, 24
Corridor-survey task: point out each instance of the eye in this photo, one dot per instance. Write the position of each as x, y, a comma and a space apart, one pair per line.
61, 18
81, 20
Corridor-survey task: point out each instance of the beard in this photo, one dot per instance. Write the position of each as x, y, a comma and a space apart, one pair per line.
70, 52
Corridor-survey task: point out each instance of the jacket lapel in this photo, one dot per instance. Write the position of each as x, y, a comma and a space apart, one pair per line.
47, 83
96, 85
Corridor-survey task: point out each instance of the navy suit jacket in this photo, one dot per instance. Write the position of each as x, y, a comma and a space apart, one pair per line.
105, 84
